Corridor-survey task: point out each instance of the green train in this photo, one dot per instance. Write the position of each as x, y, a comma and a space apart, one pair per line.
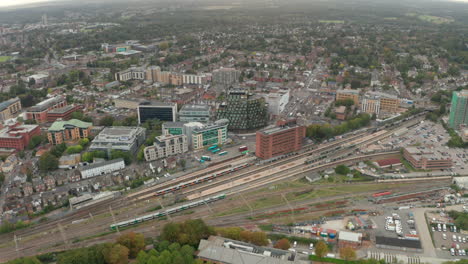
169, 211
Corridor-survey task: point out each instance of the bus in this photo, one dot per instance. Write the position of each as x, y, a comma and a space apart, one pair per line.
243, 148
245, 152
223, 153
213, 147
202, 161
206, 158
216, 150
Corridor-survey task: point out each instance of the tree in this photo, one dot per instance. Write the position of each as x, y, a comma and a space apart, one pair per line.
74, 149
342, 169
321, 249
189, 232
48, 162
34, 141
115, 154
347, 253
283, 244
115, 254
135, 242
143, 257
106, 121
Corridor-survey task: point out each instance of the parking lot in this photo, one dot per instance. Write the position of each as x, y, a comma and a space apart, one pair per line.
447, 237
408, 226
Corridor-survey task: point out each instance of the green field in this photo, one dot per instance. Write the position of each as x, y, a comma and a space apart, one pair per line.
432, 19
4, 58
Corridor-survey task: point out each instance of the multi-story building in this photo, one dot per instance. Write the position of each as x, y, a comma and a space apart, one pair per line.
157, 110
164, 77
63, 113
16, 136
348, 94
101, 168
225, 76
370, 106
153, 73
10, 108
287, 137
277, 101
173, 128
193, 79
425, 158
115, 48
119, 138
133, 73
222, 250
165, 146
243, 110
128, 103
215, 133
62, 131
459, 109
40, 110
195, 113
175, 79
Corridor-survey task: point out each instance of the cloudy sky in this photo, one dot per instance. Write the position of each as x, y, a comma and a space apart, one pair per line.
22, 2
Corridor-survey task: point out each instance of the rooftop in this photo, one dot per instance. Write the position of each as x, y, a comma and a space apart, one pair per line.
217, 124
7, 103
349, 236
62, 125
191, 107
274, 130
100, 164
124, 135
157, 104
62, 110
44, 105
173, 124
15, 132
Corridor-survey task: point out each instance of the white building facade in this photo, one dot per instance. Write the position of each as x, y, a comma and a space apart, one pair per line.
102, 168
165, 146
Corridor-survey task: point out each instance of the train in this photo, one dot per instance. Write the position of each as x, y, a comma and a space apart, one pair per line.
169, 211
206, 178
381, 194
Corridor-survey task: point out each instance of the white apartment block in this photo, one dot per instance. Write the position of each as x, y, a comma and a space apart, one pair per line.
130, 74
165, 146
193, 79
102, 168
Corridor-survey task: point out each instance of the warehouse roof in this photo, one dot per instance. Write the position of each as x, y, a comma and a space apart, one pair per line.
349, 236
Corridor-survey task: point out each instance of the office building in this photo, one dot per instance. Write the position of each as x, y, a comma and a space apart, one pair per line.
215, 133
63, 113
119, 138
459, 109
427, 159
285, 138
10, 108
348, 94
195, 113
243, 110
40, 110
388, 103
173, 128
62, 131
17, 136
277, 101
222, 250
225, 76
157, 110
101, 168
165, 146
133, 73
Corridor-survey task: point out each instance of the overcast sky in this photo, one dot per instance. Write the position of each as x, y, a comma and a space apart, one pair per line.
22, 2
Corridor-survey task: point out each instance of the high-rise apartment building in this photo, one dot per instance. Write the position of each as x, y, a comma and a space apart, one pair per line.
243, 110
459, 109
225, 76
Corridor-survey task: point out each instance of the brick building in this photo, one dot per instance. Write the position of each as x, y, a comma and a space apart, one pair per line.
74, 129
63, 113
39, 111
16, 136
425, 158
10, 108
285, 138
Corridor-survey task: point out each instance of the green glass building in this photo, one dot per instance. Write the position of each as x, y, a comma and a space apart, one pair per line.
243, 110
212, 134
459, 109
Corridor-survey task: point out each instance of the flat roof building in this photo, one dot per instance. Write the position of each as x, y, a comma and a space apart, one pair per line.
101, 168
425, 158
215, 133
10, 108
63, 113
195, 113
222, 250
119, 138
157, 110
287, 137
165, 146
17, 136
348, 94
